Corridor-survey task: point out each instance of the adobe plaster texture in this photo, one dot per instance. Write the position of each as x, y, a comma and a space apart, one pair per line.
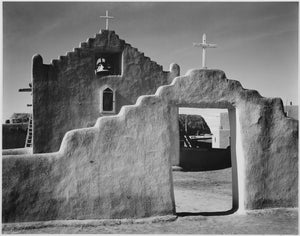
292, 111
66, 93
17, 151
121, 167
221, 136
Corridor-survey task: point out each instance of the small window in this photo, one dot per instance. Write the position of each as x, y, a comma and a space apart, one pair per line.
107, 100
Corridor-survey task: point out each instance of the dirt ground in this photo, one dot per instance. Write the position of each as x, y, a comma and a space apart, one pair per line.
208, 191
195, 193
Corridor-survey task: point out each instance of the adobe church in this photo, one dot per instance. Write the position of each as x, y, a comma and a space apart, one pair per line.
96, 79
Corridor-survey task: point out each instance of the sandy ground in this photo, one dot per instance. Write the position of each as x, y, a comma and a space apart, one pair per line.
209, 191
195, 192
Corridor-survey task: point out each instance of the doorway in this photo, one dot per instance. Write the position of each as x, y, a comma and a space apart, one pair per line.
205, 182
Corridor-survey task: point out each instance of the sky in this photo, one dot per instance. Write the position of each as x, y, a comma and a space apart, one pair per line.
257, 42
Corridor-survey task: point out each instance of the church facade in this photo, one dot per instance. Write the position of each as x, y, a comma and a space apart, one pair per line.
96, 79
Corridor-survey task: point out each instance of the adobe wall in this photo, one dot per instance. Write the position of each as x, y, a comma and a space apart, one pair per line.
121, 167
112, 170
292, 111
224, 120
224, 138
196, 159
66, 93
224, 132
17, 151
14, 135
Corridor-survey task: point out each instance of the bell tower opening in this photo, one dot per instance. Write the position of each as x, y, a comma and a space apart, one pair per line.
108, 64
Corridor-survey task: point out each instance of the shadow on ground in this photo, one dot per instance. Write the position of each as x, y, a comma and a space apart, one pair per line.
213, 213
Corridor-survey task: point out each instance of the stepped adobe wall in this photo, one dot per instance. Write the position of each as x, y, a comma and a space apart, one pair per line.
121, 167
66, 93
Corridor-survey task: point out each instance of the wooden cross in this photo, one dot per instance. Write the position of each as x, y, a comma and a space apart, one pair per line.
204, 45
107, 17
27, 90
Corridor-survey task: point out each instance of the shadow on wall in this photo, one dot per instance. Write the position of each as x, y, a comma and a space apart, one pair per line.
196, 159
14, 135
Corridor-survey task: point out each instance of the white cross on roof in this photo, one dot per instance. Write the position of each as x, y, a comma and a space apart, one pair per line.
107, 18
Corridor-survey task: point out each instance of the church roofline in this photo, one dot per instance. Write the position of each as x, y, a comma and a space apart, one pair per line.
88, 45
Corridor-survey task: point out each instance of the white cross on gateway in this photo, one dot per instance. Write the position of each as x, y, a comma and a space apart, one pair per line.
204, 45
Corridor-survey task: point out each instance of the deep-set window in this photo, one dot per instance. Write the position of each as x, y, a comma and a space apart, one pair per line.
107, 100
